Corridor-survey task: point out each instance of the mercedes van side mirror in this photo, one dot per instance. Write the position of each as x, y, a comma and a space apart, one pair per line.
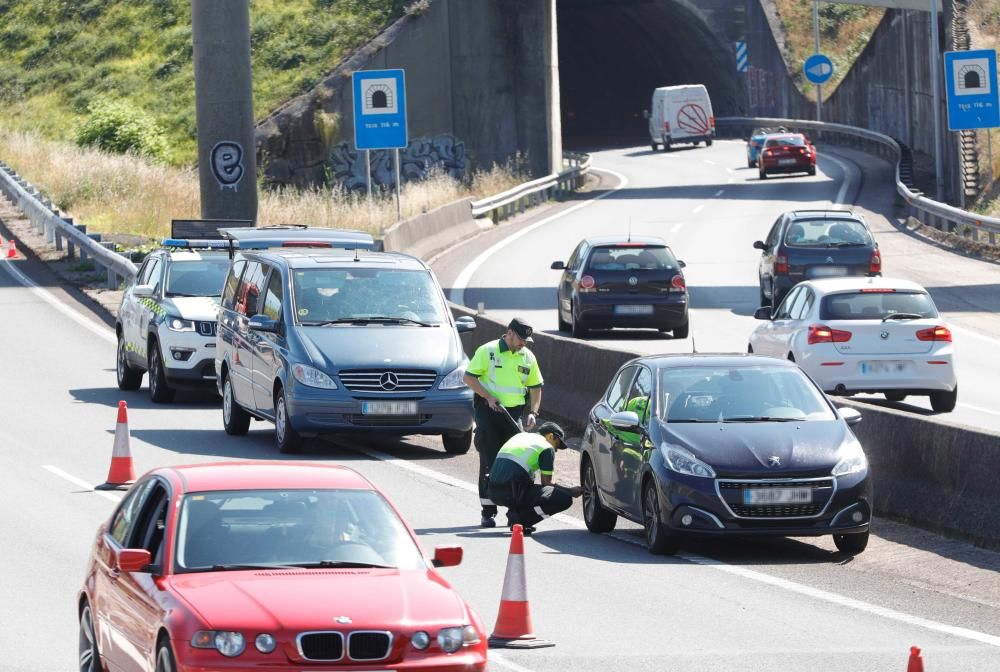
763, 313
464, 324
759, 245
558, 266
262, 323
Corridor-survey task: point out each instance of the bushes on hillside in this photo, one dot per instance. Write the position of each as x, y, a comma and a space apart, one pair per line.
116, 126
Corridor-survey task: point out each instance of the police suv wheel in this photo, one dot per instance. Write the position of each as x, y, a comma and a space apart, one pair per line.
128, 378
159, 391
235, 420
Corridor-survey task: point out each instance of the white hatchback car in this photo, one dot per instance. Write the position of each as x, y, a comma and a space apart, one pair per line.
856, 335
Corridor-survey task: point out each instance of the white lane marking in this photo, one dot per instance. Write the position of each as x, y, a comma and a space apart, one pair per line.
50, 299
676, 227
791, 586
458, 287
698, 209
979, 409
969, 332
81, 483
720, 192
842, 194
711, 163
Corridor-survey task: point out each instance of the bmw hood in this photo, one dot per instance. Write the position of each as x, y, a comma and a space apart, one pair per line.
377, 346
201, 308
312, 599
758, 448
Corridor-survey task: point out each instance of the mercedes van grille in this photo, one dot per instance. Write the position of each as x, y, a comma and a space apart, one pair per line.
387, 380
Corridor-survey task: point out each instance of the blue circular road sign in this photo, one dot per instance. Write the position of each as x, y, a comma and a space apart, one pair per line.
818, 69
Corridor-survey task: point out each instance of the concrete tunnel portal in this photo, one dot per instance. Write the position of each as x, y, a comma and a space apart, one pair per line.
613, 53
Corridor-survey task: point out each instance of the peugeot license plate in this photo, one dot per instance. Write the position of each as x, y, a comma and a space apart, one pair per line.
634, 310
766, 496
880, 367
389, 408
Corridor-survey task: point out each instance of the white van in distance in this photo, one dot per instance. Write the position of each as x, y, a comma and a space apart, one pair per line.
680, 114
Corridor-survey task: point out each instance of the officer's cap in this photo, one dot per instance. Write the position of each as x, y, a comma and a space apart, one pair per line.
521, 327
555, 430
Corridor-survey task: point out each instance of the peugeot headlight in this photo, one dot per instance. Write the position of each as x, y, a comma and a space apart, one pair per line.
684, 462
854, 462
453, 380
179, 324
229, 644
311, 377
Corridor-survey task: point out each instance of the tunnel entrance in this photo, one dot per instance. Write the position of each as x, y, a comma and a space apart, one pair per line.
613, 53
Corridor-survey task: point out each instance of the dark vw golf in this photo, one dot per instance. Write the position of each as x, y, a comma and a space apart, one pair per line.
723, 445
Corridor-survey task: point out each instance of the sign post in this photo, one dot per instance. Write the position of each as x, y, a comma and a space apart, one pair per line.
380, 116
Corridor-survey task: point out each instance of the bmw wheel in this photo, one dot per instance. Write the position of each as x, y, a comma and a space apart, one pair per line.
289, 441
852, 544
598, 519
89, 656
944, 402
893, 395
129, 378
659, 541
234, 418
159, 391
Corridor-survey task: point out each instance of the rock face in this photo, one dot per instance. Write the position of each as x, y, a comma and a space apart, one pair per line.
482, 88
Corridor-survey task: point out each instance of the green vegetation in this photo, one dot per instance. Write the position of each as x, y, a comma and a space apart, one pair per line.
68, 67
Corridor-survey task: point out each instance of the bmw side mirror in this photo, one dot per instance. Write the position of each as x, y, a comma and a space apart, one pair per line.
558, 266
625, 420
447, 556
759, 245
133, 559
763, 313
850, 415
262, 323
464, 324
144, 290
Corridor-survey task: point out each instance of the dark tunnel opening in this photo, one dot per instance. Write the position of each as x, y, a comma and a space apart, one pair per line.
613, 53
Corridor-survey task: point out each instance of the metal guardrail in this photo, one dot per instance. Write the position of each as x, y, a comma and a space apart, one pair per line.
45, 218
939, 215
532, 193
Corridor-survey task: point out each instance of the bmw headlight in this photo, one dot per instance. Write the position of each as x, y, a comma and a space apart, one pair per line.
684, 462
179, 324
420, 640
453, 380
265, 643
229, 644
311, 377
854, 462
452, 639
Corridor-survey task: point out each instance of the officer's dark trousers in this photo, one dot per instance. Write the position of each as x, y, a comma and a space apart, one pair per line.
529, 502
492, 431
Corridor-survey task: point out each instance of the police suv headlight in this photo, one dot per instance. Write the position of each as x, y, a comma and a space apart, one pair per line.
179, 324
453, 381
684, 462
854, 462
229, 644
311, 377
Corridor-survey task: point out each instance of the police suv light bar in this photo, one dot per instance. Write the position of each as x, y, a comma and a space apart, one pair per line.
196, 244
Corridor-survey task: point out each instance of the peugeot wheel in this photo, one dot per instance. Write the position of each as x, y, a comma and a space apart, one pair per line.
659, 541
598, 519
289, 441
89, 656
851, 544
234, 418
159, 391
128, 378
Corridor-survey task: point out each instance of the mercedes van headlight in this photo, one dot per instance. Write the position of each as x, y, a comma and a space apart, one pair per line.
453, 381
311, 377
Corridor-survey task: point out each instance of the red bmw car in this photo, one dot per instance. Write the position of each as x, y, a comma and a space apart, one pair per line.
268, 566
787, 153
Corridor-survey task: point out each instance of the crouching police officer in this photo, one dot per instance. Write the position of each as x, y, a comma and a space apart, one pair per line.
505, 377
512, 478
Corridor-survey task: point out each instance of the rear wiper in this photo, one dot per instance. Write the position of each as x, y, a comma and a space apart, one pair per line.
759, 418
325, 564
902, 316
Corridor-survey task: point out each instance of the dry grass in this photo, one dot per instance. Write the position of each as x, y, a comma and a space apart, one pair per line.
984, 23
117, 194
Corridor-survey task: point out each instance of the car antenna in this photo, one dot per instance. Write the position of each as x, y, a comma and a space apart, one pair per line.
629, 239
356, 257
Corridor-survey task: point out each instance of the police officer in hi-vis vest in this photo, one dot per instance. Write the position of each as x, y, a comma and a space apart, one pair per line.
504, 375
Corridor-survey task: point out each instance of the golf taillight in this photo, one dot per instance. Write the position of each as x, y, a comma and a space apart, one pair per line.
938, 333
677, 284
820, 333
781, 264
875, 263
587, 284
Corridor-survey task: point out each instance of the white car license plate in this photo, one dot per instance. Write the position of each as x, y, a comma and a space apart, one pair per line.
827, 271
765, 496
786, 162
389, 408
880, 367
634, 310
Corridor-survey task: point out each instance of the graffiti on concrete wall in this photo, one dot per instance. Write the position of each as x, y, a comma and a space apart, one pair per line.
423, 156
227, 164
760, 83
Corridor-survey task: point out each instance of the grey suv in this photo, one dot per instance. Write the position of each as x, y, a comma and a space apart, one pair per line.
330, 341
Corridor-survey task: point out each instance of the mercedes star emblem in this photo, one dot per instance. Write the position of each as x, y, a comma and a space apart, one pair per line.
633, 281
774, 461
884, 334
388, 381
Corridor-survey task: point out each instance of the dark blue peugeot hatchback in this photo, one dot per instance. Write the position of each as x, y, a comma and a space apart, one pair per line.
327, 341
723, 445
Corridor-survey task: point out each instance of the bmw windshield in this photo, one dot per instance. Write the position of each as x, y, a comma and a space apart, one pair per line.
366, 295
739, 394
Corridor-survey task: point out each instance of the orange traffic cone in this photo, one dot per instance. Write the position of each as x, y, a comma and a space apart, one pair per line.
121, 474
12, 250
916, 663
513, 629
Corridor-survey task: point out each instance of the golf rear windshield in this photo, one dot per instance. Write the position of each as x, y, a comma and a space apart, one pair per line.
631, 258
876, 305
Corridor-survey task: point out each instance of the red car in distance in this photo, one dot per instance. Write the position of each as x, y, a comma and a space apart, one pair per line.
786, 153
268, 566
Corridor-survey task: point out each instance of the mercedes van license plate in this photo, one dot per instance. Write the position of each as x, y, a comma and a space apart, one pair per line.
389, 408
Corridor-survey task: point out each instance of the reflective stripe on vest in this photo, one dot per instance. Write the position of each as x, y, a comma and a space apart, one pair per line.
527, 448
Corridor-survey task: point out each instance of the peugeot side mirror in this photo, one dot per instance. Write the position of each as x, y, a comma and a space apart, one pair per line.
262, 323
759, 245
850, 415
624, 420
464, 324
133, 559
143, 290
447, 556
763, 313
558, 266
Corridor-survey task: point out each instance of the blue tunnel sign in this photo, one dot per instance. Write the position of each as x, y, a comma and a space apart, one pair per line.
379, 109
971, 83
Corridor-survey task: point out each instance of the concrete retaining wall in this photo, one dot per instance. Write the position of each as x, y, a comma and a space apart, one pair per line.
935, 476
427, 234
